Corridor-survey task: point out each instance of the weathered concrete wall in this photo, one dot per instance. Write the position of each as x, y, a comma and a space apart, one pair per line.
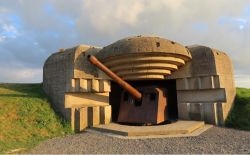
205, 87
57, 74
69, 71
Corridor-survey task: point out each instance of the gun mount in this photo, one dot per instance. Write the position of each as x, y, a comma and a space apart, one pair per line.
147, 106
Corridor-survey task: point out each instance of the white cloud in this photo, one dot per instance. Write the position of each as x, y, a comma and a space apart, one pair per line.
26, 75
2, 38
108, 16
3, 10
242, 80
9, 28
9, 31
45, 26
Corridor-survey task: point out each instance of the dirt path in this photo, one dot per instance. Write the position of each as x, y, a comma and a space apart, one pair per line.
214, 140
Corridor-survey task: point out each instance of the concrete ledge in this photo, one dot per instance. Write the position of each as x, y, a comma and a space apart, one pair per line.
192, 134
201, 95
179, 127
73, 100
88, 85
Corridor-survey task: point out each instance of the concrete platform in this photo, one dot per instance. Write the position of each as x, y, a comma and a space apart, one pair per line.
176, 128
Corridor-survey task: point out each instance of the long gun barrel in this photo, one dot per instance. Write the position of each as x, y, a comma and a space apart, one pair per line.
134, 92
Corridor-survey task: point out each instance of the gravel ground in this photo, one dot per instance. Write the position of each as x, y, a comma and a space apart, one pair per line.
214, 140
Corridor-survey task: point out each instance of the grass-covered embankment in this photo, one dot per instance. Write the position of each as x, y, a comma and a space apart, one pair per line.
26, 117
239, 117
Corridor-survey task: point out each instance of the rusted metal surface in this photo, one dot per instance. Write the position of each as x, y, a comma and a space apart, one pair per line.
152, 109
134, 92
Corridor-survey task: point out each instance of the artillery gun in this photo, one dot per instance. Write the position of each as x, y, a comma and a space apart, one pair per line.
142, 105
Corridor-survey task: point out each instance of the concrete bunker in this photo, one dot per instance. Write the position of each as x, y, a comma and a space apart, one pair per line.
198, 79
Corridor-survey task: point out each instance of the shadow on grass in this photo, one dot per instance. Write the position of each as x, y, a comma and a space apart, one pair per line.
27, 89
239, 117
20, 95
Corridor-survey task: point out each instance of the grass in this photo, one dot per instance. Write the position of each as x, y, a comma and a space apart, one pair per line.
26, 117
239, 117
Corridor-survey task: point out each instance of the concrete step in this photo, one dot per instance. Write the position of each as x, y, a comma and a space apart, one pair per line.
179, 127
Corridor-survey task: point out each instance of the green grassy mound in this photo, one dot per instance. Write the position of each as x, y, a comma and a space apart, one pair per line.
239, 117
26, 117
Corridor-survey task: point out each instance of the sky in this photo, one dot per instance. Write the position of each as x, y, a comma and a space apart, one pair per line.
31, 30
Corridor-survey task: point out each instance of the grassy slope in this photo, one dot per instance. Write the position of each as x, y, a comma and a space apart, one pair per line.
26, 117
239, 117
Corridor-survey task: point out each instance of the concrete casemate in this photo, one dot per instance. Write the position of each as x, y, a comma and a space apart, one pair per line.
201, 79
